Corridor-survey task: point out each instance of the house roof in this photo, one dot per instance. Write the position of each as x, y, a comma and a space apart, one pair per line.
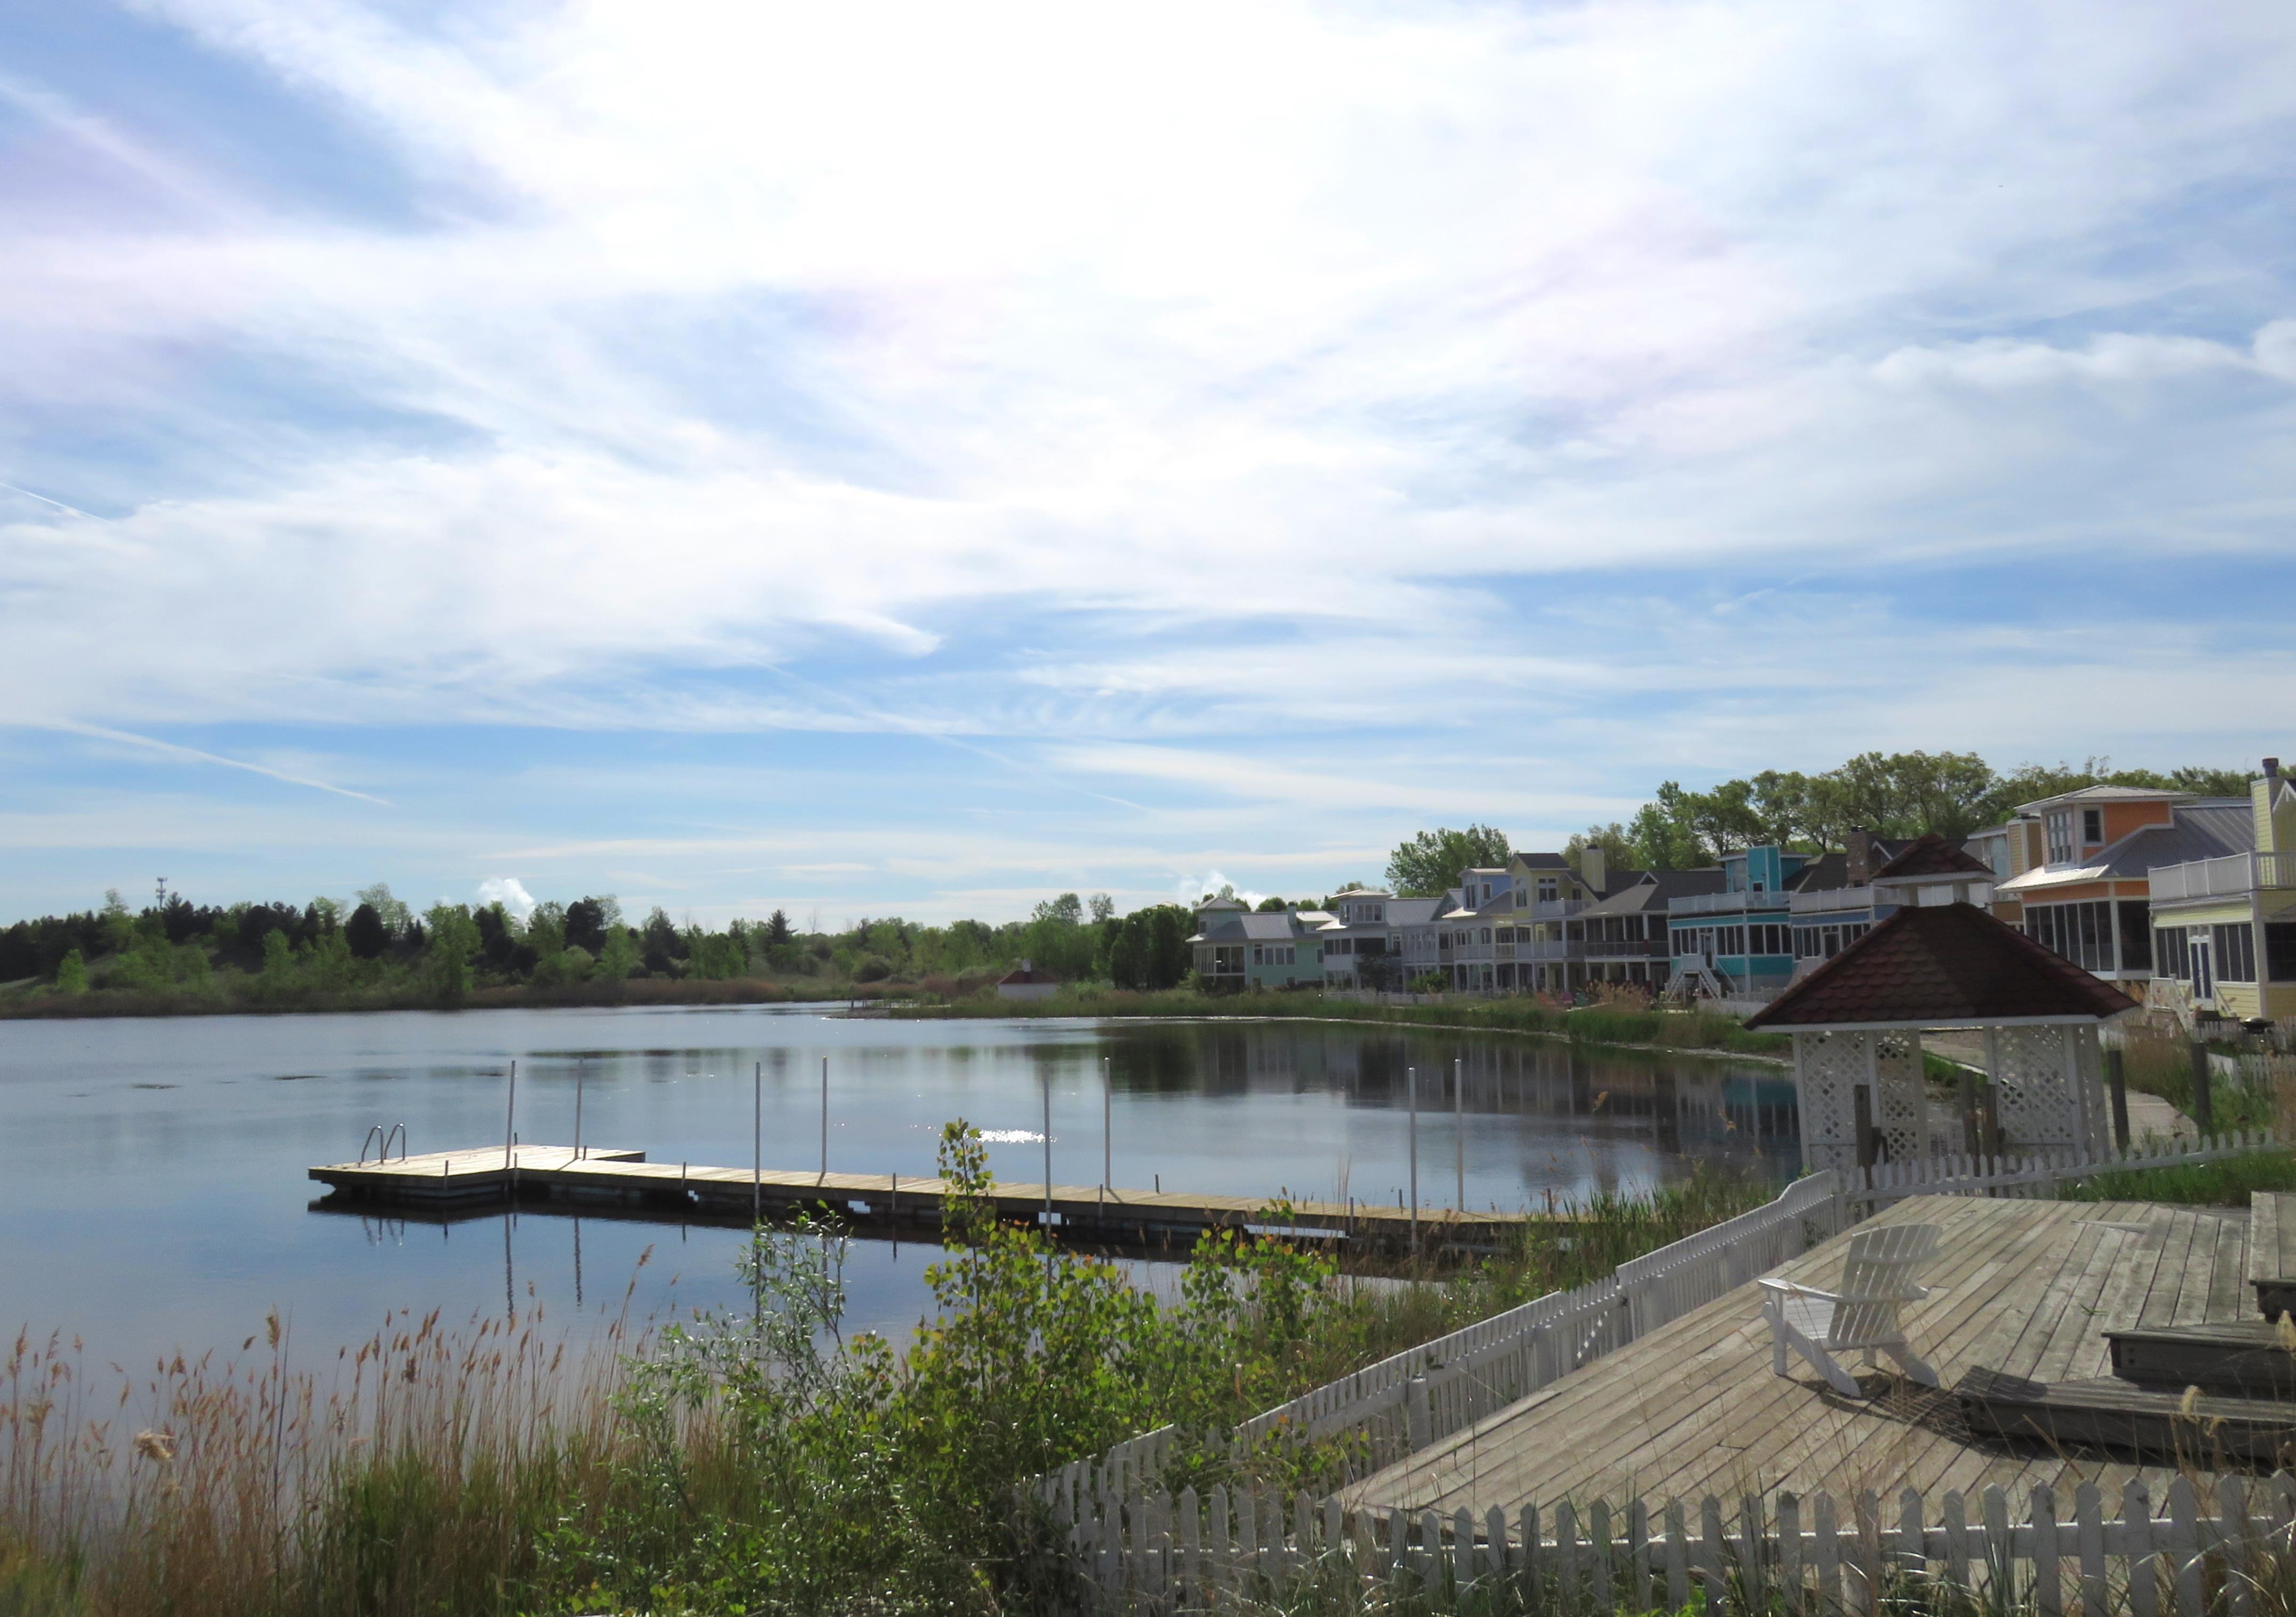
1942, 965
1655, 889
1540, 862
2206, 829
2109, 793
1932, 855
1412, 911
1027, 972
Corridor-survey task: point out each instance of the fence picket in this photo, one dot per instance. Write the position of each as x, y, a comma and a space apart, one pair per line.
1639, 1592
2088, 1519
1956, 1539
1462, 1550
2233, 1534
2185, 1547
1566, 1556
1912, 1556
2049, 1581
1790, 1562
2136, 1546
1193, 1583
1534, 1559
1829, 1553
1710, 1525
1677, 1557
1598, 1537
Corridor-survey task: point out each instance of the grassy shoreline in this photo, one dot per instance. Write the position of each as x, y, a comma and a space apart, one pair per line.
1676, 1033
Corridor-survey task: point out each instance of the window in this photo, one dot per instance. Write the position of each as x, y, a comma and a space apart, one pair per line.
2172, 957
1487, 935
1830, 940
2135, 933
1258, 955
2092, 827
2081, 933
2280, 951
2059, 824
1548, 889
2236, 953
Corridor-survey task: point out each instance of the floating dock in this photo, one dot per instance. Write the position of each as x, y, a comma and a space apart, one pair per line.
625, 1183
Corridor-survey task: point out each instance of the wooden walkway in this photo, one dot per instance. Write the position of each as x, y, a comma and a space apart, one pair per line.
2026, 1288
624, 1182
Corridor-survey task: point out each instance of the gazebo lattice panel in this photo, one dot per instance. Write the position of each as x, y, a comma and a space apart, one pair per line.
1899, 1110
2044, 1088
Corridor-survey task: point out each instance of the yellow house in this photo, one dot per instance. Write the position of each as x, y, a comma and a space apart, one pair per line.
2224, 928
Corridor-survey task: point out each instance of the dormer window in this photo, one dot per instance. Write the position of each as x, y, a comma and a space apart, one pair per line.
1549, 889
2059, 825
2092, 827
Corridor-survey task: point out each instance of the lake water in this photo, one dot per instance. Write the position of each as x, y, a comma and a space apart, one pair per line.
154, 1197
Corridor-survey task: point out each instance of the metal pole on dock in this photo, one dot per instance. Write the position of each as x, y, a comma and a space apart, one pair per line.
1107, 1131
1414, 1159
1048, 1180
1459, 1122
581, 1071
510, 1118
824, 1123
757, 1143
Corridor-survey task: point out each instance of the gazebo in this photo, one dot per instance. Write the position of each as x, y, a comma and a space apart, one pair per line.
1857, 1022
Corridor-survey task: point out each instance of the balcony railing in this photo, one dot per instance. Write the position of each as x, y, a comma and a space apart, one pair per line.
1555, 909
1828, 899
1715, 903
1633, 948
2230, 876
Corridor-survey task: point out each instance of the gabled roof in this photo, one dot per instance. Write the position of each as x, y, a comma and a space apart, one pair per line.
1027, 972
1942, 966
1653, 890
1540, 862
1932, 855
1412, 911
2208, 829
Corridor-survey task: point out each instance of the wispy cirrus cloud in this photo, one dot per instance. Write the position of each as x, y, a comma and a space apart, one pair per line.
1609, 391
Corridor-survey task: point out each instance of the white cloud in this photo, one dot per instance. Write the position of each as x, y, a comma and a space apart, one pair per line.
509, 893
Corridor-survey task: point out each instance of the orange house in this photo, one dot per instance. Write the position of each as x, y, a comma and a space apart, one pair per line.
2080, 867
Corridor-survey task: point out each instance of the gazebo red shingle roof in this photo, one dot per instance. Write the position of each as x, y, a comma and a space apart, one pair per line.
1932, 855
1942, 964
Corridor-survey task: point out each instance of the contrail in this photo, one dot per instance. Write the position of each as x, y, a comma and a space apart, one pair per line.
44, 500
194, 753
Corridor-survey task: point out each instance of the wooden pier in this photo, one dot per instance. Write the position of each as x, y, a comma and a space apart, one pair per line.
625, 1183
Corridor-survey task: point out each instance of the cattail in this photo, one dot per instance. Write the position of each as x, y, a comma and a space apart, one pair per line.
159, 1446
2189, 1403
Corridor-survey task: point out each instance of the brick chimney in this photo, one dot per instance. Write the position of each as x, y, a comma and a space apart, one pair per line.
1861, 856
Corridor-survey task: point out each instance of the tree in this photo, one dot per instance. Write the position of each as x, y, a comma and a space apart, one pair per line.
71, 973
454, 939
1429, 865
619, 957
778, 931
586, 925
1068, 909
1103, 907
1271, 906
366, 932
392, 912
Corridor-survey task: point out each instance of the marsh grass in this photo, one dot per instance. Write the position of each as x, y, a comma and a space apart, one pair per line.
749, 1464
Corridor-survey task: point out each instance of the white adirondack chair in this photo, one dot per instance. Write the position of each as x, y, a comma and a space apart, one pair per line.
1881, 1274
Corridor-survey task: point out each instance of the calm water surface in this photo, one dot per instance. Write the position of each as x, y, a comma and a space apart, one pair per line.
152, 1193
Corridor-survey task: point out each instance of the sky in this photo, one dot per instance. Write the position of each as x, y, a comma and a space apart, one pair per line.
876, 459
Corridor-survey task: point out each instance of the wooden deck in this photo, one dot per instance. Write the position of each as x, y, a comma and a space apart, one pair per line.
2027, 1287
625, 1182
2272, 1253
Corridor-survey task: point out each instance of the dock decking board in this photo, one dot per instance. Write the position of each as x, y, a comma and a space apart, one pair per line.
625, 1178
2271, 1266
1694, 1409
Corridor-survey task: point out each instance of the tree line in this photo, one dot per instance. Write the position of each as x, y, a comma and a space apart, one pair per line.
1892, 795
278, 950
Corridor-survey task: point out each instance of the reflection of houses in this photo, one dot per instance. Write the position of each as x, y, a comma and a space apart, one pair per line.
2083, 860
1236, 948
2224, 929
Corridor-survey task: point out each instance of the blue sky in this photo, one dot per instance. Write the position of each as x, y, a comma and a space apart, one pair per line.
879, 459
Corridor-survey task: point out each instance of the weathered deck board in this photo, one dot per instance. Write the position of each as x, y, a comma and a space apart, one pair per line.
2271, 1266
1694, 1409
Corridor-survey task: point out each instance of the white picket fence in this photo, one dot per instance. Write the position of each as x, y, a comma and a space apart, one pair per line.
2035, 1174
2224, 1553
1416, 1397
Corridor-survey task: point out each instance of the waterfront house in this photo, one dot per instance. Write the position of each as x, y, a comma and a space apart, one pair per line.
2082, 864
1028, 981
1624, 936
2224, 928
1363, 938
1738, 943
1237, 949
1840, 897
